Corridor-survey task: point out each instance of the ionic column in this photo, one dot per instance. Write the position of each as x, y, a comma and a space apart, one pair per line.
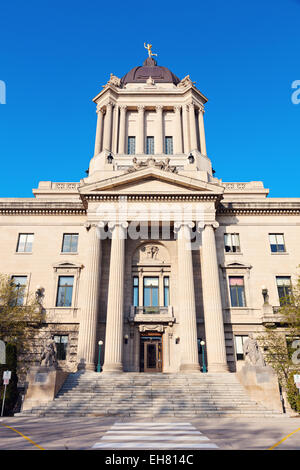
193, 132
88, 323
186, 140
98, 138
140, 137
202, 132
122, 129
186, 300
213, 316
107, 127
114, 319
178, 131
115, 130
159, 146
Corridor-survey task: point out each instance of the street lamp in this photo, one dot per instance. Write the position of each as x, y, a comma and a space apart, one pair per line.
203, 358
99, 365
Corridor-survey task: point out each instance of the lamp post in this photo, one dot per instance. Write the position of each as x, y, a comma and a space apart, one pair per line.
204, 370
99, 365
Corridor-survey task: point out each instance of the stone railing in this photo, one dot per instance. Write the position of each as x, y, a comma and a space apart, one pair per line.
151, 314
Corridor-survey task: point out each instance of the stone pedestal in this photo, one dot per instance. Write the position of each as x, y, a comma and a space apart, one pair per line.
261, 384
43, 383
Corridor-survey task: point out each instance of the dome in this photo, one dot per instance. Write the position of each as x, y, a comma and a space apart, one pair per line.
150, 69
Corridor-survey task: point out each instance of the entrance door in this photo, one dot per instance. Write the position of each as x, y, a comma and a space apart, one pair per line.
151, 354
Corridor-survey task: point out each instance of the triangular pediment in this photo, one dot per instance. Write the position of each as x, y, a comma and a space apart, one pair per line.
151, 181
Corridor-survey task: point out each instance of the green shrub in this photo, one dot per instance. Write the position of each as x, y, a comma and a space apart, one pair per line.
293, 394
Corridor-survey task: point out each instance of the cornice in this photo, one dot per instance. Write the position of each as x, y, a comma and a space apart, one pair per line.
41, 208
266, 208
154, 197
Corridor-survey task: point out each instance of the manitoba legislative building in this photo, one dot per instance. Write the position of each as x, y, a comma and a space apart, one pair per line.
151, 256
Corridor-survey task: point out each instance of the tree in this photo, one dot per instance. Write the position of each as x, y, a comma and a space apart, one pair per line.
19, 320
281, 343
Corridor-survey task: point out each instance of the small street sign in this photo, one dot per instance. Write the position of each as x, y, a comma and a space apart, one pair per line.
7, 374
5, 381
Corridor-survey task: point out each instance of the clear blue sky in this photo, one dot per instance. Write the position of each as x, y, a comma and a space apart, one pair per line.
56, 55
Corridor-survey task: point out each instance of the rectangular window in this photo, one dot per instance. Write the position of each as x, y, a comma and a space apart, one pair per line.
169, 145
284, 289
150, 146
237, 291
166, 291
131, 145
25, 242
70, 243
232, 242
239, 350
61, 347
277, 242
135, 291
64, 291
151, 292
19, 282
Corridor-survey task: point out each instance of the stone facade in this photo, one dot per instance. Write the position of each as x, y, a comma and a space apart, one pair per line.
150, 275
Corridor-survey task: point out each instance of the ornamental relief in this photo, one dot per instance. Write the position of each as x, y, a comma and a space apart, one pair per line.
151, 253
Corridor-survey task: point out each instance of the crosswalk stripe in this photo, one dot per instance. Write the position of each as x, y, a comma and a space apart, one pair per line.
154, 436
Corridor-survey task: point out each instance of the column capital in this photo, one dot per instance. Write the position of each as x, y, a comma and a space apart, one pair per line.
141, 108
201, 225
113, 225
177, 108
109, 103
99, 109
123, 107
179, 225
159, 107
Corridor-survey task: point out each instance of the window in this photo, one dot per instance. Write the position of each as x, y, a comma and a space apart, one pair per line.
25, 242
135, 291
64, 291
70, 243
131, 145
239, 350
237, 291
166, 291
284, 289
169, 145
151, 292
232, 243
277, 242
61, 347
19, 282
150, 146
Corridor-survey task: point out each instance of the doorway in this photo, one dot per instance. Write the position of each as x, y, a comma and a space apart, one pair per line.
151, 353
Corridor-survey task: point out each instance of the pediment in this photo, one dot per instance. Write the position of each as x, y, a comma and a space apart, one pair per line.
151, 181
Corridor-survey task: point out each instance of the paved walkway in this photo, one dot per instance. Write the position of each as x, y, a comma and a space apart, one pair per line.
22, 433
154, 435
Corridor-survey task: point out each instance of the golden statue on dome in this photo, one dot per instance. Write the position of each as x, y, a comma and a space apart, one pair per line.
149, 47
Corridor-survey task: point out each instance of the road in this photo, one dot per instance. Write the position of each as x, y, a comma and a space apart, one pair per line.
37, 433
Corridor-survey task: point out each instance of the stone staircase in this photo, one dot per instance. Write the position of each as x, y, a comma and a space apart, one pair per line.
152, 395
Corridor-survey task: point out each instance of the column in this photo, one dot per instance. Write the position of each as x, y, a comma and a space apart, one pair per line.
114, 319
178, 131
193, 134
98, 132
140, 136
159, 146
115, 130
202, 132
186, 300
107, 127
89, 316
213, 315
186, 140
122, 129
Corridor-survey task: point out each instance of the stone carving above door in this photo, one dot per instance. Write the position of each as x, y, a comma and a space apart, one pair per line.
151, 253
